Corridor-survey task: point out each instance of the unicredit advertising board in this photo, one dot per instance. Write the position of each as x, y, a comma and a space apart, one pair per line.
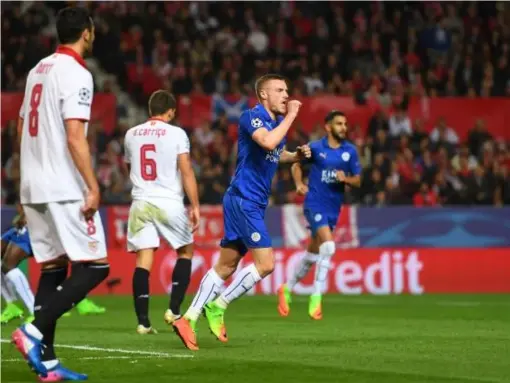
353, 271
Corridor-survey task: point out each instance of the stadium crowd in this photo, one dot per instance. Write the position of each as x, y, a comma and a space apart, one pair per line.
373, 50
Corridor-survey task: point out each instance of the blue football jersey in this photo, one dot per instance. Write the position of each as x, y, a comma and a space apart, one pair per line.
255, 166
325, 192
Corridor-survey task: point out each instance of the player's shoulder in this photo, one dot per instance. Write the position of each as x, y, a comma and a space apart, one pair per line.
41, 64
174, 130
349, 146
252, 116
45, 60
255, 111
173, 127
72, 63
72, 70
130, 131
247, 115
316, 143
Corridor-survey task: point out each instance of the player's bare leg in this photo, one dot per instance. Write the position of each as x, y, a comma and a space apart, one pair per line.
144, 259
180, 281
326, 252
305, 264
209, 288
262, 266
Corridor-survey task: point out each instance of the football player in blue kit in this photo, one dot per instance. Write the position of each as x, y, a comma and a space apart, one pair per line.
261, 147
334, 164
15, 248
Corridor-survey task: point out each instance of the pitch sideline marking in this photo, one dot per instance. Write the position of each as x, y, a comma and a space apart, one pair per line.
119, 350
133, 358
91, 358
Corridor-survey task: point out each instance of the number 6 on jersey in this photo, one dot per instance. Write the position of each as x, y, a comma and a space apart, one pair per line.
148, 165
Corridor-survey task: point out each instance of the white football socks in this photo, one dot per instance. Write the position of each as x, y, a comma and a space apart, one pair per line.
7, 290
49, 364
326, 251
20, 282
33, 331
210, 286
242, 283
304, 266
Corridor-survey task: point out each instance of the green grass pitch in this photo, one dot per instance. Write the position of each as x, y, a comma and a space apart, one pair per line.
389, 339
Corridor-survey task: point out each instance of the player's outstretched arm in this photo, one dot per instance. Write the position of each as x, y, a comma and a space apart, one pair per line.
302, 153
189, 183
269, 140
80, 153
297, 175
354, 181
355, 169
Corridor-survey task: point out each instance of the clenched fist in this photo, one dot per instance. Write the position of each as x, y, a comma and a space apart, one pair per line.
293, 107
303, 152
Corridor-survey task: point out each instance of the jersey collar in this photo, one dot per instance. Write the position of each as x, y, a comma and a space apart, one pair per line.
157, 119
326, 143
71, 52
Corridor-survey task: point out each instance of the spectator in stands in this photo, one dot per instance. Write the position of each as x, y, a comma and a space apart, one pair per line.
204, 134
221, 123
379, 54
503, 187
477, 137
478, 185
399, 123
381, 143
425, 197
442, 133
444, 190
426, 166
378, 121
258, 39
464, 162
419, 134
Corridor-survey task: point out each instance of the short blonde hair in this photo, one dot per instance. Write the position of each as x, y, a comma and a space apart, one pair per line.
267, 77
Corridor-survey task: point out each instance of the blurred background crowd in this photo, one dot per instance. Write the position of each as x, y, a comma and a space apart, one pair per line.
370, 51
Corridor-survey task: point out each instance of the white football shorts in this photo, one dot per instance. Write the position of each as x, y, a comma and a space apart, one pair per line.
59, 228
159, 217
